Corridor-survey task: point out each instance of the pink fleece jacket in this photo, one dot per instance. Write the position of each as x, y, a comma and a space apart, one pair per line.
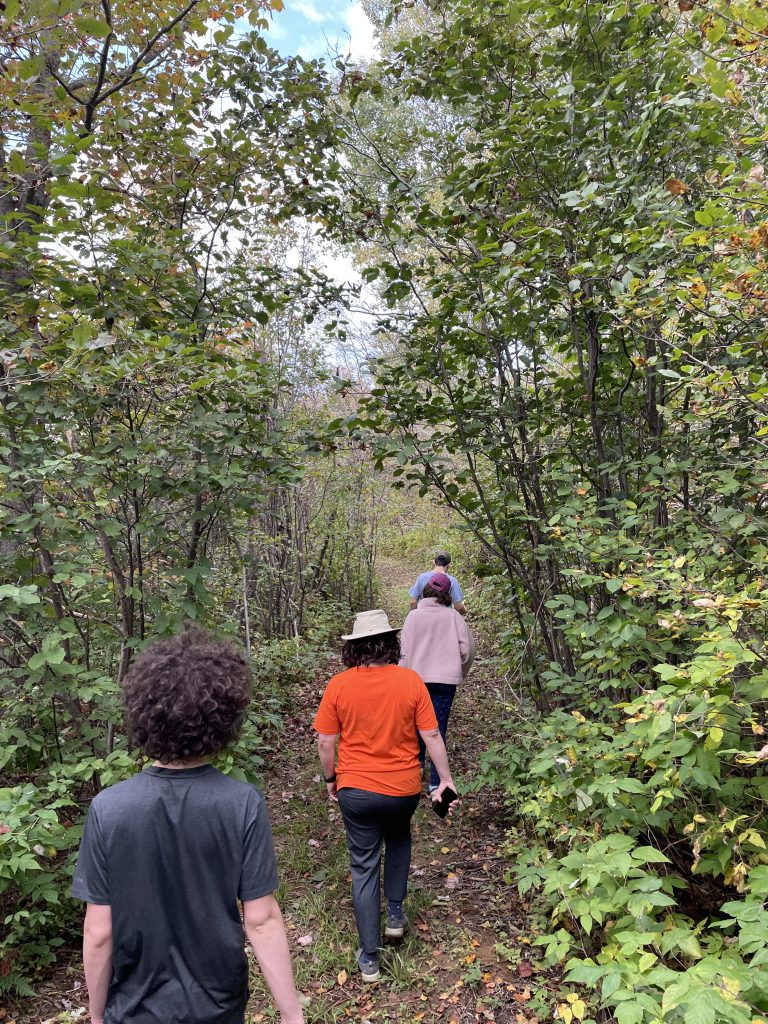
436, 643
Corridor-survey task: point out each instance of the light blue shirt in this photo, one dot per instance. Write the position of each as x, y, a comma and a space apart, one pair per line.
417, 589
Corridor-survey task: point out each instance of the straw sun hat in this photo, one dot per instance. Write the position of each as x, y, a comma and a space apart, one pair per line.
370, 623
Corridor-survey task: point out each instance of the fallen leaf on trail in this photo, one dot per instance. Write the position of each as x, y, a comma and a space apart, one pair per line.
304, 940
341, 977
524, 969
452, 881
445, 849
313, 842
522, 997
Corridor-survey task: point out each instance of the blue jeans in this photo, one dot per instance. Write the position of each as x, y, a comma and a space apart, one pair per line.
442, 695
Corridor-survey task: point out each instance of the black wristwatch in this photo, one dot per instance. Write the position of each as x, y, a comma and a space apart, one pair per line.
331, 778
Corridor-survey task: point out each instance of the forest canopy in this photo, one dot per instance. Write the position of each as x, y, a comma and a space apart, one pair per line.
559, 216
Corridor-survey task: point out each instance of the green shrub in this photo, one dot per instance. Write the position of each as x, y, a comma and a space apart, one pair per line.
648, 816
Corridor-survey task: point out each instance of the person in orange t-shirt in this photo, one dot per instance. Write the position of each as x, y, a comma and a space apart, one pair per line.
376, 710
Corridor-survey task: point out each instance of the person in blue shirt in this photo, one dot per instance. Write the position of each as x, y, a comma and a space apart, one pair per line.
442, 561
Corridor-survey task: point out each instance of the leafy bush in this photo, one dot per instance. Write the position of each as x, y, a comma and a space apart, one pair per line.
648, 817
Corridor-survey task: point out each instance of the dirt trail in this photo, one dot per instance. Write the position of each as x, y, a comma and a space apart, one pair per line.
468, 955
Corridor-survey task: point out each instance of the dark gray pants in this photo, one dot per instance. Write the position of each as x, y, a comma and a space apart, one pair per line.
370, 820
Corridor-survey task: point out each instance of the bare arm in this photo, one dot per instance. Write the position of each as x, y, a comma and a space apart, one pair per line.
439, 758
97, 958
266, 933
414, 603
326, 748
460, 607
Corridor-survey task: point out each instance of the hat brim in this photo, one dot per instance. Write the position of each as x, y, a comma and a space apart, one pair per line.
375, 632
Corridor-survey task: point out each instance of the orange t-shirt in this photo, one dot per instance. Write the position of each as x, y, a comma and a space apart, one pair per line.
376, 711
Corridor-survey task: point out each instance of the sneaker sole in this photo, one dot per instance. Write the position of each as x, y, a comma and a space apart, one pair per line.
368, 979
394, 933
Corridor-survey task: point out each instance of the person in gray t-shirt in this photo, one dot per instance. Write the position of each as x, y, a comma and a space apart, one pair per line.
442, 561
168, 855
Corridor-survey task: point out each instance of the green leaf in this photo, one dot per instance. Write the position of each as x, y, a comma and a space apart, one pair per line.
649, 855
92, 27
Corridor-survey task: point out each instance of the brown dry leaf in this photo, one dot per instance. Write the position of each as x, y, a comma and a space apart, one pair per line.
524, 969
675, 187
341, 977
522, 997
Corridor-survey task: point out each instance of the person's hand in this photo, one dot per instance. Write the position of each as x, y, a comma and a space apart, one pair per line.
333, 793
444, 784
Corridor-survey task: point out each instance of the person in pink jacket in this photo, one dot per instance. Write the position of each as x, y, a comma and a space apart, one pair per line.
436, 642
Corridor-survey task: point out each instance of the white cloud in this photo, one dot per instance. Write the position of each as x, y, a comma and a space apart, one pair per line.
310, 12
362, 39
310, 48
276, 31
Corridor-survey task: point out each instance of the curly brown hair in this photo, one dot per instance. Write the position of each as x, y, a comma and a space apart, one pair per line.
186, 697
383, 649
443, 596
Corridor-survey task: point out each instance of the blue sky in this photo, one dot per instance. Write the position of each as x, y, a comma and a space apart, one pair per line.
317, 28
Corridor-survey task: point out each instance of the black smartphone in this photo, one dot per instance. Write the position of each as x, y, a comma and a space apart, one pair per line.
440, 807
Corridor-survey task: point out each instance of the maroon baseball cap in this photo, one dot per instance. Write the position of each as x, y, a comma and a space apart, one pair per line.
440, 582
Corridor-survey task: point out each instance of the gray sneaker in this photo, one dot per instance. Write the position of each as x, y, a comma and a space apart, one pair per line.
369, 966
396, 926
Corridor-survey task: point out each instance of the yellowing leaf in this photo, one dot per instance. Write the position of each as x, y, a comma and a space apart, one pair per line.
715, 738
341, 977
579, 1008
675, 187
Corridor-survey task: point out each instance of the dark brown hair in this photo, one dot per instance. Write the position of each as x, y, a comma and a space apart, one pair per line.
186, 697
443, 596
381, 649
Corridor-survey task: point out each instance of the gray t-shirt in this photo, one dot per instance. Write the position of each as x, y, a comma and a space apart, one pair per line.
171, 852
